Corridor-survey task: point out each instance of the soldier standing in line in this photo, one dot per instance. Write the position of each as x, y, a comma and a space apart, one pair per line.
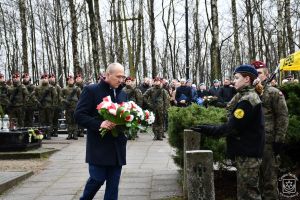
45, 96
133, 94
276, 122
18, 95
158, 101
30, 105
4, 100
70, 96
79, 84
56, 104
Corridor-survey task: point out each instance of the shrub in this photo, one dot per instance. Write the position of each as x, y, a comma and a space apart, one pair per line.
290, 155
183, 118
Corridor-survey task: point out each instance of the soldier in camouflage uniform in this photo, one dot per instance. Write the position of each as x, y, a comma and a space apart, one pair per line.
133, 94
79, 84
245, 134
158, 101
17, 95
70, 96
276, 123
30, 105
56, 104
4, 100
45, 96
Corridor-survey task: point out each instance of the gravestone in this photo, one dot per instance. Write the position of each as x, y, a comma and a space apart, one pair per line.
200, 175
17, 140
191, 141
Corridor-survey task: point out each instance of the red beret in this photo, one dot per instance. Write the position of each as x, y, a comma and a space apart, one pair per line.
25, 75
51, 75
16, 75
258, 64
157, 79
44, 76
128, 79
70, 77
1, 75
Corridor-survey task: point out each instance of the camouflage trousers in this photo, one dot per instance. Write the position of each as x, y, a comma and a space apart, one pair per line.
72, 126
158, 125
17, 112
56, 116
45, 118
248, 178
268, 174
28, 121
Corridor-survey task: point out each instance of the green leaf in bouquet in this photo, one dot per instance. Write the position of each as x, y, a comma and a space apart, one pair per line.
114, 132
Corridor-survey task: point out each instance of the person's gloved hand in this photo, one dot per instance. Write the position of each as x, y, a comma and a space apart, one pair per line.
201, 128
277, 147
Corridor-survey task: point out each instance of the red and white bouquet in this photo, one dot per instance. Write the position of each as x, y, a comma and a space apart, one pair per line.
125, 114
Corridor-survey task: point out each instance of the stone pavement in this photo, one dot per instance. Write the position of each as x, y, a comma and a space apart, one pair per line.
150, 173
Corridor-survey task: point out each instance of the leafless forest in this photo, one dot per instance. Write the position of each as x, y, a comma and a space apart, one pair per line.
147, 36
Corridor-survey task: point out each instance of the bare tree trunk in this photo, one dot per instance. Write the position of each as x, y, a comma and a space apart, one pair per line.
34, 62
145, 67
215, 51
119, 38
168, 43
94, 37
290, 33
236, 33
280, 27
88, 38
77, 68
58, 42
7, 47
129, 46
257, 6
22, 8
102, 42
152, 40
250, 30
139, 36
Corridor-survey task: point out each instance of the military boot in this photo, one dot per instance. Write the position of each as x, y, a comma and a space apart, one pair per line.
69, 136
75, 137
54, 133
80, 132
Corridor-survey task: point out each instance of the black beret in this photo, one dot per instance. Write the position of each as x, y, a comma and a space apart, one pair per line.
246, 69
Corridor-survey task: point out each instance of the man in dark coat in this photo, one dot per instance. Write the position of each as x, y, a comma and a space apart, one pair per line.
183, 94
105, 155
226, 92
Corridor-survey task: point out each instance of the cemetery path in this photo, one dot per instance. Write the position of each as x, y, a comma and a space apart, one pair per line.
150, 173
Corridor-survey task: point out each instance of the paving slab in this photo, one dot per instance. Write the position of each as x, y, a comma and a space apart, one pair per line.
150, 173
9, 179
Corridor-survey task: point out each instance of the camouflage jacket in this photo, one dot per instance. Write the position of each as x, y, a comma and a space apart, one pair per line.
45, 95
17, 94
4, 100
157, 99
57, 100
134, 94
30, 102
69, 96
275, 113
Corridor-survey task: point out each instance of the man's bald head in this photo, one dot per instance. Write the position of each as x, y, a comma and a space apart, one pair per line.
114, 74
113, 67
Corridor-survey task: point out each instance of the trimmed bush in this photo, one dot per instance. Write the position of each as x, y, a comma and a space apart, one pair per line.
184, 118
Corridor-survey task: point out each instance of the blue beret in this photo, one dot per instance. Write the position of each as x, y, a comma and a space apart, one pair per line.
246, 69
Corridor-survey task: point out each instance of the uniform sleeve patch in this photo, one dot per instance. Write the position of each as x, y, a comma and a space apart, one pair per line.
239, 113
